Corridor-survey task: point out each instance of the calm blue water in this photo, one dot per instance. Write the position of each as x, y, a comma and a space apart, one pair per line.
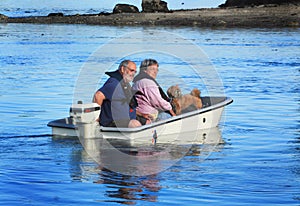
259, 164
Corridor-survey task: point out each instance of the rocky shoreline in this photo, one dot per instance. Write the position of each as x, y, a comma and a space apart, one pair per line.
257, 16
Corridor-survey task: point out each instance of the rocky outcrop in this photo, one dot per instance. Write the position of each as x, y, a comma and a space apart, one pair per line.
287, 15
150, 6
55, 14
125, 8
3, 18
244, 3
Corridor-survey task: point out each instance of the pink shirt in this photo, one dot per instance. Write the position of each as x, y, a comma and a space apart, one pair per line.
151, 102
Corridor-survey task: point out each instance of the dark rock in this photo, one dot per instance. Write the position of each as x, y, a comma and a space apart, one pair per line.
104, 13
3, 18
125, 8
154, 6
244, 3
55, 14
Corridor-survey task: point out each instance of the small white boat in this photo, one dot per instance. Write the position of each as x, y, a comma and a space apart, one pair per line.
82, 123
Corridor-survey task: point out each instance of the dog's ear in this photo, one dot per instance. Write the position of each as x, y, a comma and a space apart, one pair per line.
176, 106
169, 92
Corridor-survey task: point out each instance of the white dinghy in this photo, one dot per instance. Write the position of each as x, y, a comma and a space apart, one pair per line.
83, 123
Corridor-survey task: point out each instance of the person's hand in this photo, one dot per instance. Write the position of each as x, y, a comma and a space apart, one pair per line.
172, 112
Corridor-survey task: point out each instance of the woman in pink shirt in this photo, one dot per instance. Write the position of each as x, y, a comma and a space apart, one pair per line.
153, 103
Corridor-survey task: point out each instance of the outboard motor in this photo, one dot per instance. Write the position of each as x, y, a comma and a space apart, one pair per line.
85, 117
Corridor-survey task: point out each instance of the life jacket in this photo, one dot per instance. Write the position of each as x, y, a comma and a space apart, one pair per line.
129, 97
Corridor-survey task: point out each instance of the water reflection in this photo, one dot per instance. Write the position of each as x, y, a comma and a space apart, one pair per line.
127, 188
140, 159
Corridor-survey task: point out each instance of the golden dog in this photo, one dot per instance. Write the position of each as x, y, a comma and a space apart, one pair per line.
186, 102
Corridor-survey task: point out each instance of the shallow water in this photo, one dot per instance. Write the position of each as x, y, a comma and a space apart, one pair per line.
257, 165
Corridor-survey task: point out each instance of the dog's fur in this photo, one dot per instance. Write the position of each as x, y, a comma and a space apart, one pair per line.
186, 102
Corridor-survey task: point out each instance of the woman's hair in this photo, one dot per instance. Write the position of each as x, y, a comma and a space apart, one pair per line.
148, 62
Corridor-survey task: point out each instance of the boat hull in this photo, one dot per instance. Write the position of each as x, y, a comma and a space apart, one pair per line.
63, 127
166, 131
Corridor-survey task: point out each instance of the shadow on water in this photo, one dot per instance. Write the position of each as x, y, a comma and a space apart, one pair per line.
26, 136
123, 188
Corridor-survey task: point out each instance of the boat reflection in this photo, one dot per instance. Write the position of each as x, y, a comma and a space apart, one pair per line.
132, 172
128, 189
140, 159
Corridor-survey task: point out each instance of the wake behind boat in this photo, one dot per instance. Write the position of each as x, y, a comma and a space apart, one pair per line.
82, 123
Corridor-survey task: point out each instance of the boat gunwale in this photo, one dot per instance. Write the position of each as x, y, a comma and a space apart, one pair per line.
226, 101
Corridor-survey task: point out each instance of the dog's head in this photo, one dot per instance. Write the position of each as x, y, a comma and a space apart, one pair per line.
174, 91
196, 92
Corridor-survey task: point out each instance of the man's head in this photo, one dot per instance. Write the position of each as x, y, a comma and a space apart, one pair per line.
128, 69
